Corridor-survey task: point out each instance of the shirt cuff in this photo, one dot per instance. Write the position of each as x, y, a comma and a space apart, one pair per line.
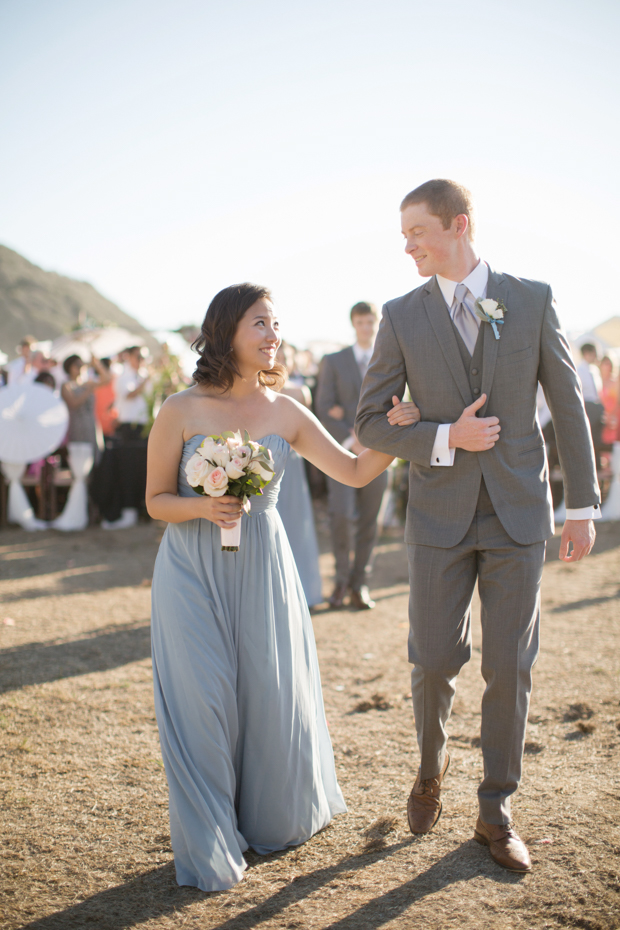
348, 442
442, 454
584, 513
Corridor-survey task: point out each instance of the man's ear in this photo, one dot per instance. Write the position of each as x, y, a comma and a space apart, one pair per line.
460, 224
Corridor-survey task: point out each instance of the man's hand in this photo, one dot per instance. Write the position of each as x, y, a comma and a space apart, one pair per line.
336, 412
581, 534
403, 413
473, 434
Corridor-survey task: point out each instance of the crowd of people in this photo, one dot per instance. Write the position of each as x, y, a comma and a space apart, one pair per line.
112, 404
601, 392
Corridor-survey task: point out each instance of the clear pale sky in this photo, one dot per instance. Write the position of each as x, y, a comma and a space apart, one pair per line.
162, 150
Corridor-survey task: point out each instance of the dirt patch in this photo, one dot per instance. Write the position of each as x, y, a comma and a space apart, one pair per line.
84, 826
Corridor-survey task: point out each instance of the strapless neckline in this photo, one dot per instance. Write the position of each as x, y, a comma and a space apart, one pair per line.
259, 441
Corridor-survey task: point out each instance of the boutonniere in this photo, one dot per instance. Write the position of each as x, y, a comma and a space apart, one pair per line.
491, 311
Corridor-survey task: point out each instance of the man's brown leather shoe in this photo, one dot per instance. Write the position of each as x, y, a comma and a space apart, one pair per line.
505, 846
424, 804
337, 599
361, 599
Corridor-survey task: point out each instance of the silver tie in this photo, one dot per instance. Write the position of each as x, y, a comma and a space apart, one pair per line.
463, 318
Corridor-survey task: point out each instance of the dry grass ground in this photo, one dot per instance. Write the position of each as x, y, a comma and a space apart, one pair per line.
84, 831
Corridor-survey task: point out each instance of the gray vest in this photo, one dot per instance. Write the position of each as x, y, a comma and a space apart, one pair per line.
472, 363
473, 369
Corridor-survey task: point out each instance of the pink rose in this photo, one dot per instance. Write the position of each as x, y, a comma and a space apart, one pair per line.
216, 483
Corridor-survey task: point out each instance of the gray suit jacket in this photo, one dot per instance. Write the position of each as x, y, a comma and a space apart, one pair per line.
416, 345
339, 382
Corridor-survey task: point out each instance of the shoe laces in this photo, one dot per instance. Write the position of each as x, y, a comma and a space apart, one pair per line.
426, 791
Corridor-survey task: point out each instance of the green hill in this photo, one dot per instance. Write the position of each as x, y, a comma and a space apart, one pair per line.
46, 304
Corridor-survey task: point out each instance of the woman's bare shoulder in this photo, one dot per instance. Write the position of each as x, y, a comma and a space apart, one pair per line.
182, 399
175, 411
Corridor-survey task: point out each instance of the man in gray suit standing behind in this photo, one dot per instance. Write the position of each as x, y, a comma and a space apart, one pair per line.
479, 503
353, 511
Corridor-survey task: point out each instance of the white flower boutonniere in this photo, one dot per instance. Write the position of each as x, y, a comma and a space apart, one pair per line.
491, 311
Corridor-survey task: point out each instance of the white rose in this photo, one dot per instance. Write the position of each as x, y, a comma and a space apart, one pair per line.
216, 483
233, 442
235, 467
491, 308
207, 447
221, 456
258, 469
197, 470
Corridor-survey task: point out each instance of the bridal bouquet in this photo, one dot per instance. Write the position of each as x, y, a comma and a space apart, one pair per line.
228, 464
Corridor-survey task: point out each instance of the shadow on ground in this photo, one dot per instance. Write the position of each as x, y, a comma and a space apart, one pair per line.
106, 648
156, 893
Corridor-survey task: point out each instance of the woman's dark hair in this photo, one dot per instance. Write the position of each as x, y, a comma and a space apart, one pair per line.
70, 361
216, 364
46, 378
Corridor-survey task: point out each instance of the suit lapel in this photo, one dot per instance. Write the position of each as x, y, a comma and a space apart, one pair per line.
496, 289
443, 327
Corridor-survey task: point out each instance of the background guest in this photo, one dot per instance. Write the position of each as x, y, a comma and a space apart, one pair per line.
120, 487
21, 369
353, 511
46, 378
106, 414
78, 394
610, 397
294, 501
592, 386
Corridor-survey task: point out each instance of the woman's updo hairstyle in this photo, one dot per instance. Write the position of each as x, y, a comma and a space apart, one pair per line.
216, 364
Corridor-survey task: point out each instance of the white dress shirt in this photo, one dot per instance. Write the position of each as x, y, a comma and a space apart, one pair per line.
442, 455
362, 357
130, 409
476, 283
591, 382
17, 374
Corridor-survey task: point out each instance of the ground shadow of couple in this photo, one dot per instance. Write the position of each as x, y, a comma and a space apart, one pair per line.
155, 893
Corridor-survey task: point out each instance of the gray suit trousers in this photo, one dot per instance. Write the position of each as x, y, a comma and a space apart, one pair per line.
442, 584
353, 513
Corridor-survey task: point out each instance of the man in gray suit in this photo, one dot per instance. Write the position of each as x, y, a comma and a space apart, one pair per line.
353, 511
479, 504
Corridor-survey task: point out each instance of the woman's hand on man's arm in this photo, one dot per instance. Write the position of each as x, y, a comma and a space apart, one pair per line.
403, 413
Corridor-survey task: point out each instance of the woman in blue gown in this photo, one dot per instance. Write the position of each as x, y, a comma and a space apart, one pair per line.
238, 698
294, 500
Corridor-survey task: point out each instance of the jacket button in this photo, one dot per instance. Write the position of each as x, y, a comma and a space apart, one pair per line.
474, 371
476, 390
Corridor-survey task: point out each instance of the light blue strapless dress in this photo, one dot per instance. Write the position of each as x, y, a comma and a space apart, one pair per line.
238, 695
